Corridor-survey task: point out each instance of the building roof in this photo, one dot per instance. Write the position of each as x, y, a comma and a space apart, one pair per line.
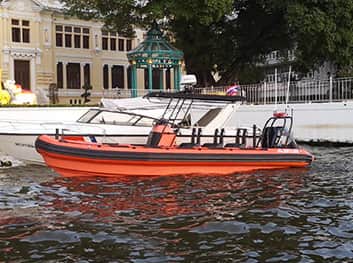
44, 4
50, 4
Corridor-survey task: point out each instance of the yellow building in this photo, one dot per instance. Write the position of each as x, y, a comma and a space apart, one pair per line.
40, 46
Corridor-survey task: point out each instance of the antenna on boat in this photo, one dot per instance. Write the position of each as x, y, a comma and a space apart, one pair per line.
276, 89
288, 85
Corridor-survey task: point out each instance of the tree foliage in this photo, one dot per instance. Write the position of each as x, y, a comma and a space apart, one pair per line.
322, 30
233, 36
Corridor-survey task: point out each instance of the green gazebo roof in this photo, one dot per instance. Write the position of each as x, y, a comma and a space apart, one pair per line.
155, 50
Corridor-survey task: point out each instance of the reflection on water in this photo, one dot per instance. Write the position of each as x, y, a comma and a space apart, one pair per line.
272, 216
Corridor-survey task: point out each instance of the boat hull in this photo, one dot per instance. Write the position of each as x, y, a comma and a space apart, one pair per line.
22, 146
88, 159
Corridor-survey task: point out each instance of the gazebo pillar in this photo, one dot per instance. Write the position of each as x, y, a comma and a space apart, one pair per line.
150, 80
177, 73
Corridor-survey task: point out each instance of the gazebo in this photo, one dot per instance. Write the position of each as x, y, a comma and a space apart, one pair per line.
155, 52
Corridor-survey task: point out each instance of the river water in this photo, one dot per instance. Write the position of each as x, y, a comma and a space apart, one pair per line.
298, 215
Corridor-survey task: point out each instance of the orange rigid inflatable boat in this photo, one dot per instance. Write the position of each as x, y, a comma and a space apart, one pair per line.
74, 158
161, 156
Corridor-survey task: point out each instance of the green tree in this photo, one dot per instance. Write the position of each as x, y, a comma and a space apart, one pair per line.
191, 22
118, 15
233, 36
322, 30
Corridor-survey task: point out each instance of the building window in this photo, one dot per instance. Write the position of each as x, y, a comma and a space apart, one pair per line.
25, 31
77, 41
20, 31
128, 44
105, 43
59, 35
113, 44
73, 76
110, 41
77, 37
121, 44
68, 39
118, 77
59, 75
68, 36
106, 77
85, 36
105, 36
87, 74
16, 34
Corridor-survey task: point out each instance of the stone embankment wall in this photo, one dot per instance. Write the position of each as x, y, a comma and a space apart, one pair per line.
316, 122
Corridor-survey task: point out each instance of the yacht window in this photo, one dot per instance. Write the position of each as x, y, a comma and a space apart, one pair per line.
85, 118
117, 118
208, 117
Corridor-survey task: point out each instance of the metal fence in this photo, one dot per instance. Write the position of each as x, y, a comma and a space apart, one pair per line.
262, 93
300, 91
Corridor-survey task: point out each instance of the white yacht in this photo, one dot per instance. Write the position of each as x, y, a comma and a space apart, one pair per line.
17, 137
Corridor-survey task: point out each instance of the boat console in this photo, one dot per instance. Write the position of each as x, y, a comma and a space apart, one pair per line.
277, 132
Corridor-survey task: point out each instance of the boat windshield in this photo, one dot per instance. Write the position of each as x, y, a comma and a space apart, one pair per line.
116, 118
85, 118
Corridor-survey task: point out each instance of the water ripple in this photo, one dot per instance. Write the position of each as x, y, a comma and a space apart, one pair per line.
297, 215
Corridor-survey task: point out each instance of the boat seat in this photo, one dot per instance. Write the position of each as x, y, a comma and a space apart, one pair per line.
187, 145
217, 140
233, 145
271, 136
213, 145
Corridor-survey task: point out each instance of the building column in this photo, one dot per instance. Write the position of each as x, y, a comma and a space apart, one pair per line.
36, 30
82, 74
7, 32
32, 69
64, 75
12, 68
110, 84
90, 73
125, 76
